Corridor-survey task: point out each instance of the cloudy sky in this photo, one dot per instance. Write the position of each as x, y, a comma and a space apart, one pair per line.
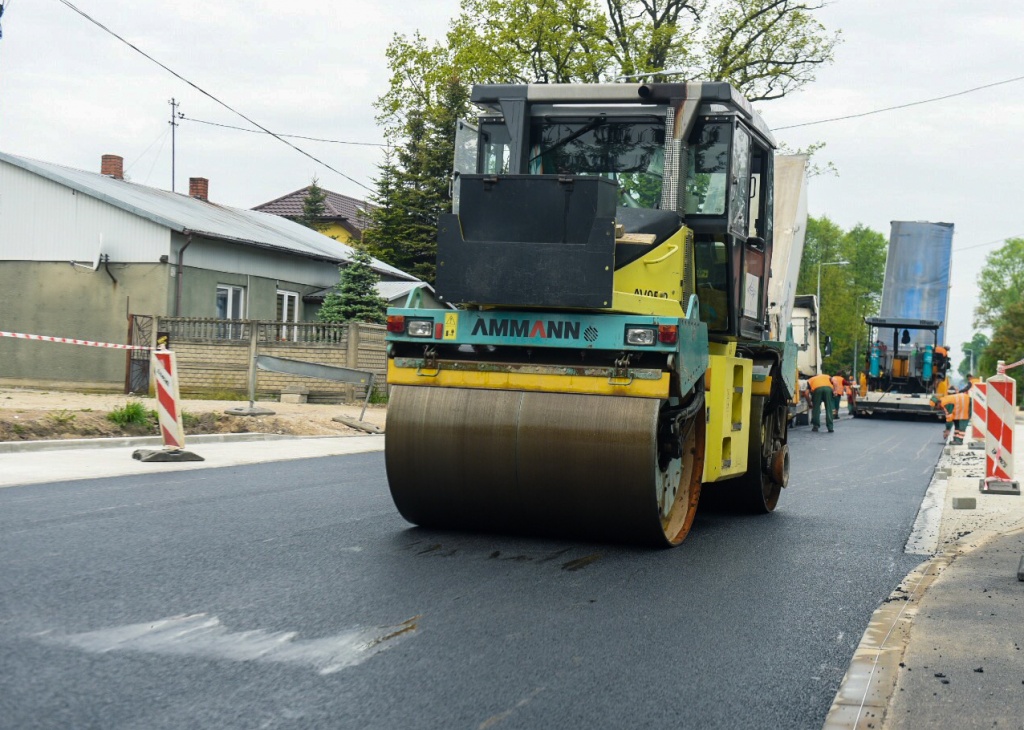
69, 93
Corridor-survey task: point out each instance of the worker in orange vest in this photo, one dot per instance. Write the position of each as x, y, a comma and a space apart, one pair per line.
957, 407
838, 387
851, 396
820, 390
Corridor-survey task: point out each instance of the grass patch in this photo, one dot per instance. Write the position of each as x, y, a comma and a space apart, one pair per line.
132, 412
61, 418
379, 396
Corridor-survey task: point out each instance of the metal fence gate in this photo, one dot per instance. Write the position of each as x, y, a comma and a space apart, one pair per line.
140, 332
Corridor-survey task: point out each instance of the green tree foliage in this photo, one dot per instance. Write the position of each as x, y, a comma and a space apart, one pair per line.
1008, 345
977, 345
314, 208
1000, 283
355, 298
850, 292
413, 187
766, 48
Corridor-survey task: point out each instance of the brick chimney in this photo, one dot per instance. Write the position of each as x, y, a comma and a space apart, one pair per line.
112, 166
199, 187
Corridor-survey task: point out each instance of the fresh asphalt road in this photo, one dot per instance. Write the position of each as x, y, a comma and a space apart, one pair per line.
292, 595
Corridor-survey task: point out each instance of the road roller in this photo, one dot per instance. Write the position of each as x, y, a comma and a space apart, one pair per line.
603, 364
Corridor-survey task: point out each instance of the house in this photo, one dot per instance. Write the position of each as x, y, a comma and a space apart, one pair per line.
345, 218
80, 251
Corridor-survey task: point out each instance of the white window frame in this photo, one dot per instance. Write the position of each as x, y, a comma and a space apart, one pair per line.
233, 292
289, 314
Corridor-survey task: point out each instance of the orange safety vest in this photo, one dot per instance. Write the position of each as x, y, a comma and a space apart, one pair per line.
837, 384
819, 381
962, 412
957, 406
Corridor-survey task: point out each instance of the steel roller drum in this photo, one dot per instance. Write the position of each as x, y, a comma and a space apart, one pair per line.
522, 462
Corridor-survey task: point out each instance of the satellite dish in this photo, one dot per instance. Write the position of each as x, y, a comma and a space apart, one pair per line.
97, 259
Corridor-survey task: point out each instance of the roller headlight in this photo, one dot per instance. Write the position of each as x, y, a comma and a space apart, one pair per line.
640, 336
419, 327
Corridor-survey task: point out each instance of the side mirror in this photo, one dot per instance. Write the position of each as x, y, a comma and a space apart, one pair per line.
828, 346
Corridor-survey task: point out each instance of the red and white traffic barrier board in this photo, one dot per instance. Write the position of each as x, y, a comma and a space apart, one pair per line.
979, 412
1001, 396
72, 341
165, 375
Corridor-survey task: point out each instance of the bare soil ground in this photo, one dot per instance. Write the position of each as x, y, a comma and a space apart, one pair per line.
31, 415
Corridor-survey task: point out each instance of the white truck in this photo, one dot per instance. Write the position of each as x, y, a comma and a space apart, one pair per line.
808, 358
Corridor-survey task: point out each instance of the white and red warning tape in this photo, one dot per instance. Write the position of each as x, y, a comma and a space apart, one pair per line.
72, 341
1000, 368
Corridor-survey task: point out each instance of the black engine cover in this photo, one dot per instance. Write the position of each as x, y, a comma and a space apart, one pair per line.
529, 240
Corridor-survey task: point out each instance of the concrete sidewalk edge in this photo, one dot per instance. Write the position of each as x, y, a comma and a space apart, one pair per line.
867, 689
16, 447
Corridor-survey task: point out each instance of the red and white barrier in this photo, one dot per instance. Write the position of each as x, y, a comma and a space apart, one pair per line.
979, 413
1001, 396
165, 375
72, 341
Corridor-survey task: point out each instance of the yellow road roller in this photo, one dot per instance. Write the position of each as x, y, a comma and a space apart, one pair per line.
605, 362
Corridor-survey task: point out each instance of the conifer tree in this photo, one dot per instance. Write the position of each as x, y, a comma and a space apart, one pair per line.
412, 190
314, 208
355, 298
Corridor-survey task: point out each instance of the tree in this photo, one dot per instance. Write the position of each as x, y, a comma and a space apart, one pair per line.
850, 292
413, 188
1000, 283
1006, 345
355, 298
314, 208
766, 48
977, 346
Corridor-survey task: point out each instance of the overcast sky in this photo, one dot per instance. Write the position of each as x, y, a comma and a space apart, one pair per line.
69, 93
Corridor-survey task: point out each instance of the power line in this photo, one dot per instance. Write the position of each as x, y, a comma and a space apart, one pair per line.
293, 136
207, 94
903, 106
988, 243
142, 154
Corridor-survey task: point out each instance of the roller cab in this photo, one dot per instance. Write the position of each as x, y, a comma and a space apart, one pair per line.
606, 357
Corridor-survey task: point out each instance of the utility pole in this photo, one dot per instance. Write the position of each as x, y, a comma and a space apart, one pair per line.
175, 116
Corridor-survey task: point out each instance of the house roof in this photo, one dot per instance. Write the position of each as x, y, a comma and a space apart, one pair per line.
336, 207
183, 214
389, 290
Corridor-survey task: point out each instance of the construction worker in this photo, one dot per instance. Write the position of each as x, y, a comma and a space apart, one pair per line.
820, 387
851, 396
957, 407
940, 365
838, 388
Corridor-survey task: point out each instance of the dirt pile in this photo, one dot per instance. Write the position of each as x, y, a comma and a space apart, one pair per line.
31, 415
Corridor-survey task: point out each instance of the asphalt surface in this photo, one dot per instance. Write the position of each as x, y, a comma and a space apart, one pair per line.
291, 594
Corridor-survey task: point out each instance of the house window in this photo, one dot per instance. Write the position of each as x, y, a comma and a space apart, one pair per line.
230, 305
287, 311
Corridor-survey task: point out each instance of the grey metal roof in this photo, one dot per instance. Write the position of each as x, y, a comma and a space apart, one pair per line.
389, 290
183, 214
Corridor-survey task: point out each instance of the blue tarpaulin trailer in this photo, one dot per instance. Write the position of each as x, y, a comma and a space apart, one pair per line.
904, 364
917, 276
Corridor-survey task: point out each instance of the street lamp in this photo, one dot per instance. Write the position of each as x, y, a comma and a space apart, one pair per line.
821, 310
